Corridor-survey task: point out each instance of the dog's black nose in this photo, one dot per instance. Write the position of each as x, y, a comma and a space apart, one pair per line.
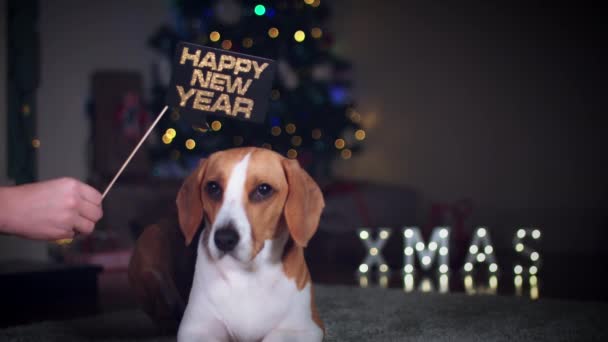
226, 239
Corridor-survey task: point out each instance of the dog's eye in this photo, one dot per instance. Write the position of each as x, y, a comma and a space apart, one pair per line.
214, 190
262, 192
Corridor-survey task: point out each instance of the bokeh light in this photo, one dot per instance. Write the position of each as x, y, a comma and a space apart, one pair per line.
214, 36
299, 36
216, 125
190, 144
259, 9
339, 143
273, 32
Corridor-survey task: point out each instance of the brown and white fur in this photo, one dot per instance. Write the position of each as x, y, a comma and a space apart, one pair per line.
257, 288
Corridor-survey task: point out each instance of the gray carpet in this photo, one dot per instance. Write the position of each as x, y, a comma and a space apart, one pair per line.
353, 314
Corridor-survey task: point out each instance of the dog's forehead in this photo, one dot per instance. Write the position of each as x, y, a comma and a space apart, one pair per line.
263, 163
220, 164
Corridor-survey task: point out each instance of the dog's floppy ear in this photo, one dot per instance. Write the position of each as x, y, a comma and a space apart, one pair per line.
304, 203
190, 202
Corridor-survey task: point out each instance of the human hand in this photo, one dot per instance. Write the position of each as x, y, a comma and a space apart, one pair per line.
50, 210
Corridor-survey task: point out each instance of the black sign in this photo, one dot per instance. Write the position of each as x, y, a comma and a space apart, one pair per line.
219, 82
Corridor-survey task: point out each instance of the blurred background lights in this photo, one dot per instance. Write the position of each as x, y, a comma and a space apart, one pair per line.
190, 144
363, 281
408, 283
360, 134
214, 36
518, 280
216, 125
290, 128
247, 43
534, 292
316, 33
276, 131
203, 129
273, 32
468, 283
533, 281
383, 280
227, 44
353, 115
339, 143
346, 154
444, 283
518, 269
259, 9
534, 256
292, 154
171, 133
299, 36
425, 285
296, 140
316, 134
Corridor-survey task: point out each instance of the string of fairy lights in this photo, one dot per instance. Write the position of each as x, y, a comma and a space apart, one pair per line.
436, 252
296, 140
293, 135
527, 253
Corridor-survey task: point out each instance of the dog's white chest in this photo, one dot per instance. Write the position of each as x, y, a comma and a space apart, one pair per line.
248, 304
252, 304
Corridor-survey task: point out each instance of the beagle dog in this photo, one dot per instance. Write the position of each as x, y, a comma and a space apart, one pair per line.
257, 211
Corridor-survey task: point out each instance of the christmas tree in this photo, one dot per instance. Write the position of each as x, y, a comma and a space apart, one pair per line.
311, 113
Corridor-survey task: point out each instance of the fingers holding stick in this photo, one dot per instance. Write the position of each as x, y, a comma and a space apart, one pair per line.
88, 211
